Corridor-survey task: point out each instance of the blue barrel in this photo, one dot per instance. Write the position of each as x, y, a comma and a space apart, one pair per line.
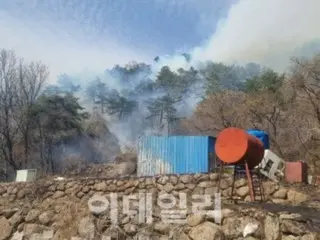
262, 135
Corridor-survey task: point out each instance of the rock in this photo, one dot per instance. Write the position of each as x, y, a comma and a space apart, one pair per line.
52, 188
191, 186
310, 236
174, 180
293, 227
46, 217
201, 177
233, 226
243, 191
161, 237
220, 215
58, 194
5, 228
70, 184
102, 186
61, 187
195, 219
161, 228
206, 231
20, 227
250, 238
198, 191
86, 228
32, 215
269, 188
210, 191
17, 236
250, 229
290, 237
48, 234
23, 192
8, 213
240, 183
148, 181
85, 189
130, 229
168, 187
272, 228
224, 184
214, 176
114, 232
16, 219
36, 236
296, 197
181, 236
281, 193
186, 179
206, 184
80, 194
163, 179
31, 228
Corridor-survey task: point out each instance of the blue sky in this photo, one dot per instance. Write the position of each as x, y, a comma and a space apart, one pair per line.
164, 26
90, 35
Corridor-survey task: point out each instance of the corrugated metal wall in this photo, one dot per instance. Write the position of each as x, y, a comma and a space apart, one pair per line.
175, 154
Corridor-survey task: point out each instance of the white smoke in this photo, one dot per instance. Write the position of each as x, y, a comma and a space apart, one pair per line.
268, 32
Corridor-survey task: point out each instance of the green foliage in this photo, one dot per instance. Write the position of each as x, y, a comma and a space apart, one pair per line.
97, 91
268, 80
218, 76
120, 106
163, 107
167, 80
59, 116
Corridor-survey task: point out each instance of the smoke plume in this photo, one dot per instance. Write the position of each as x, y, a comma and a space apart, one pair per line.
266, 32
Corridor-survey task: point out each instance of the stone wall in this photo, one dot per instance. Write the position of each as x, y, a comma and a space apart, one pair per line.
59, 210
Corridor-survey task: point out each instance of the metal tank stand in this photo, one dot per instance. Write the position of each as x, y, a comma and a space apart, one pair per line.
253, 179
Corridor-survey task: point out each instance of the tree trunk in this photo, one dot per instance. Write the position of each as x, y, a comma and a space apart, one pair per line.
26, 146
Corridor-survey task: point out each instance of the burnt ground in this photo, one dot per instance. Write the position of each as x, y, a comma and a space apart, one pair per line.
308, 210
310, 215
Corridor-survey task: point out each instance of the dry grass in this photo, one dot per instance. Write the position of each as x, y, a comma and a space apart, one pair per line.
74, 163
68, 215
128, 156
96, 126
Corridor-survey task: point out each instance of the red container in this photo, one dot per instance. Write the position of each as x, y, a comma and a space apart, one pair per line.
234, 146
296, 172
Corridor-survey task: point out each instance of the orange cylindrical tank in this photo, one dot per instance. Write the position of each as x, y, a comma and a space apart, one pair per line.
234, 146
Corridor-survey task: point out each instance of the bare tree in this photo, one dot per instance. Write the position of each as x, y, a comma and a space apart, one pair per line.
20, 85
218, 111
31, 79
8, 127
306, 79
306, 82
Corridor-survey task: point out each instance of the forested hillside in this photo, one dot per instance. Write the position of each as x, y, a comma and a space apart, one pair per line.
43, 125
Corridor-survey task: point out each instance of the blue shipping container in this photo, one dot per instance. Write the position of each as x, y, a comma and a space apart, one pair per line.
262, 135
175, 155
